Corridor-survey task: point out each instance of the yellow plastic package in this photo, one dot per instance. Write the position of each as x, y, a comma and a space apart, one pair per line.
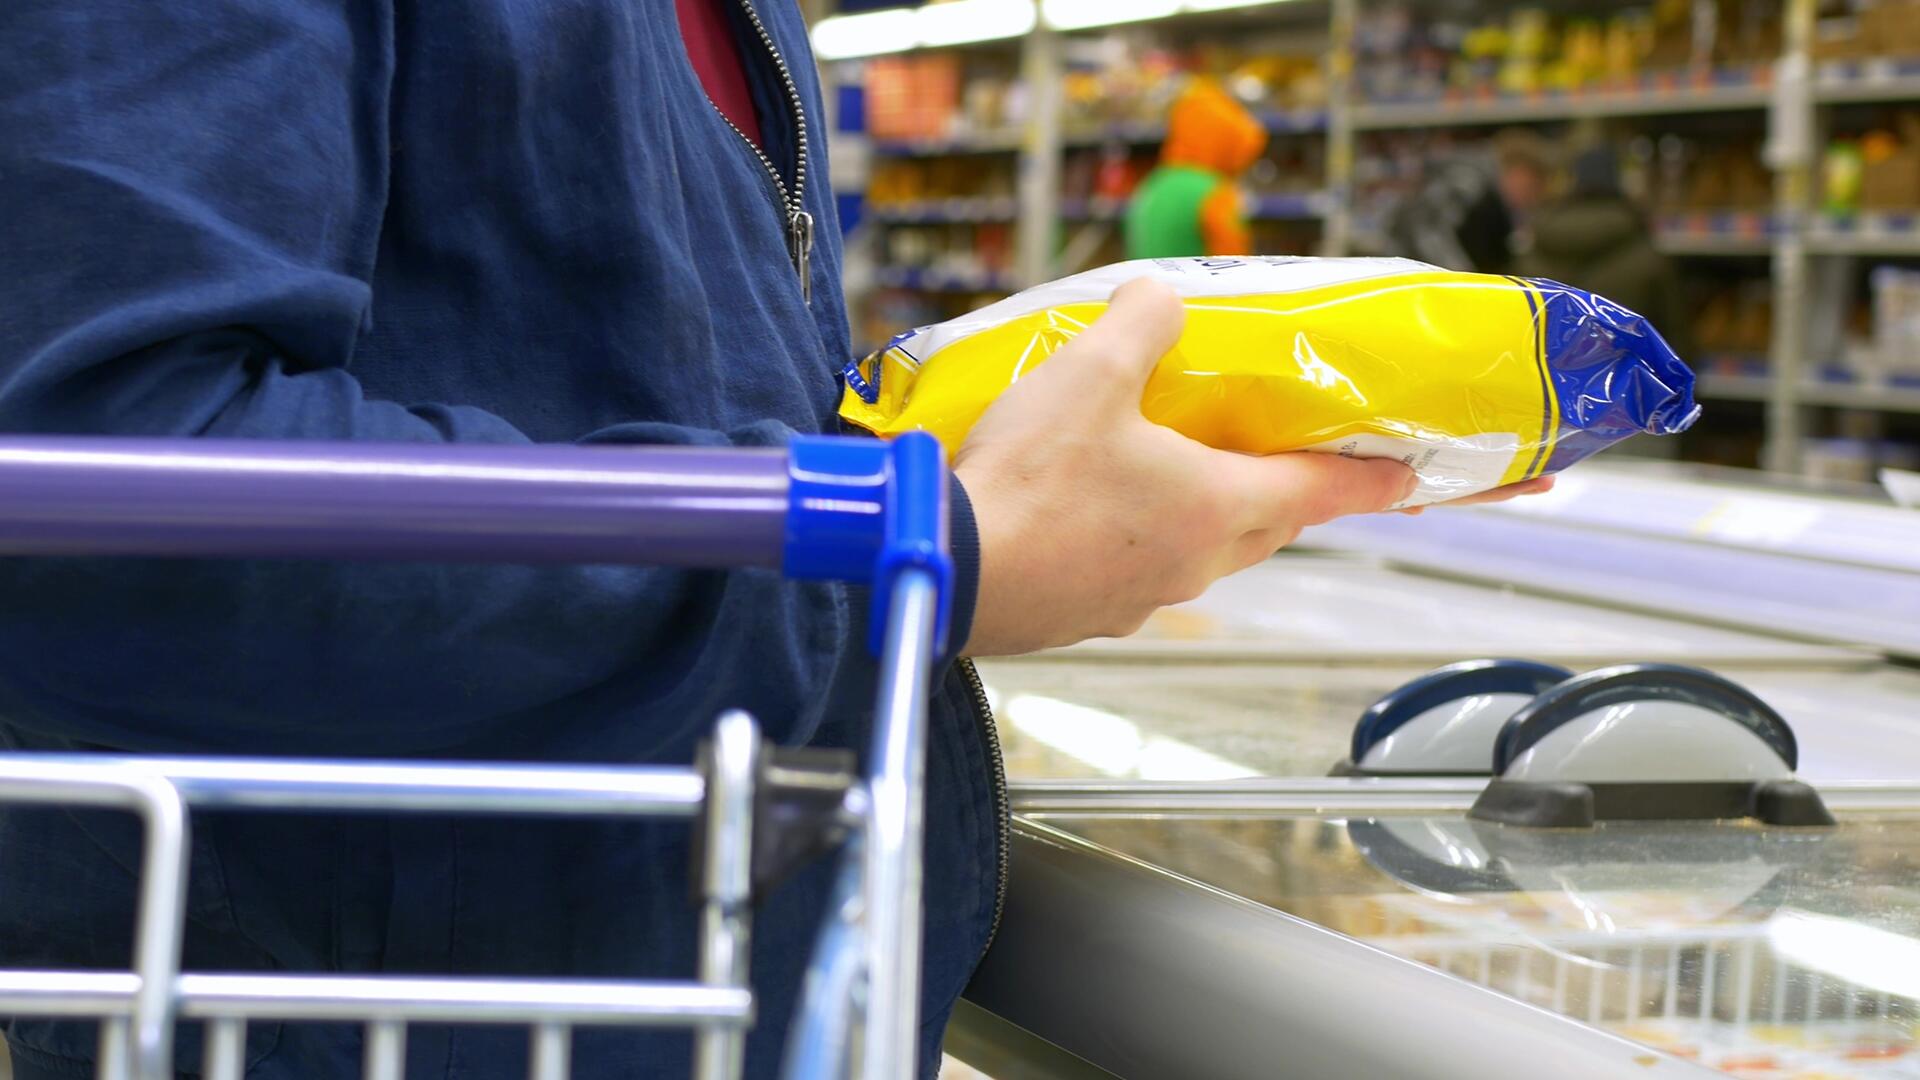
1473, 380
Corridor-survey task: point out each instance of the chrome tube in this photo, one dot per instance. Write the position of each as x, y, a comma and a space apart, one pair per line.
893, 845
158, 922
355, 998
226, 1051
552, 1052
825, 1024
386, 1050
309, 784
408, 999
726, 885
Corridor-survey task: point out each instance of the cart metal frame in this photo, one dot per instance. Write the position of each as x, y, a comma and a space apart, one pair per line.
825, 508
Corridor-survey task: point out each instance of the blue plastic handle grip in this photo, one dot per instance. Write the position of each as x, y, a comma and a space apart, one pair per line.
864, 510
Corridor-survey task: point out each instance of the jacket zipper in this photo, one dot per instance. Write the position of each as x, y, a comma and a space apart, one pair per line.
1002, 804
799, 223
800, 248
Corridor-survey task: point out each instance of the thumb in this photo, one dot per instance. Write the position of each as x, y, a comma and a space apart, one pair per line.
1142, 322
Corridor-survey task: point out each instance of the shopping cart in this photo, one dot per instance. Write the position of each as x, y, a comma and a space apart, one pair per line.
824, 508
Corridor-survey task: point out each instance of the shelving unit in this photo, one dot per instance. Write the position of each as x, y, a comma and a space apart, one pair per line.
1895, 398
1738, 93
1788, 99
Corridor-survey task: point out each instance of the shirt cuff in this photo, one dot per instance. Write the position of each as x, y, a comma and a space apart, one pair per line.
963, 546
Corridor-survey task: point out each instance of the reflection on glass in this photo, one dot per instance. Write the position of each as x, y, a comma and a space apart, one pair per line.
1111, 745
1777, 953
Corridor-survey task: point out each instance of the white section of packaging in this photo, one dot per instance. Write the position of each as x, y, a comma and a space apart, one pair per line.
1448, 467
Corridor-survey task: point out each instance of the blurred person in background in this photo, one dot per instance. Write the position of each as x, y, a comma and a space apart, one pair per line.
1190, 203
1525, 163
1465, 213
1592, 236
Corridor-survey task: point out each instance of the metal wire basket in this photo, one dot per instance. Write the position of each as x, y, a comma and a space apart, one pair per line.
823, 508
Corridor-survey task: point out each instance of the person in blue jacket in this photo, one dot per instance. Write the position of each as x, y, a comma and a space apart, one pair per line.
501, 222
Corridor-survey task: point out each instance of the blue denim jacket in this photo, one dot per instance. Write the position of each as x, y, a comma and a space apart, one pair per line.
476, 221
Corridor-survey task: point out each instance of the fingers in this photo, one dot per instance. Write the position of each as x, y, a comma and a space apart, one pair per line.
1539, 485
1295, 490
1141, 324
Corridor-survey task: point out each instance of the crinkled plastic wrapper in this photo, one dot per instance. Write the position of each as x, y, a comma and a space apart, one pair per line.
1472, 380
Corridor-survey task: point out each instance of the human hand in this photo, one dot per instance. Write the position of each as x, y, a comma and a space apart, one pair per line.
1539, 485
1091, 517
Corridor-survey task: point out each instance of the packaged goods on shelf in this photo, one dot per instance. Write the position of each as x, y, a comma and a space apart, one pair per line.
940, 96
1896, 321
1726, 176
1473, 380
912, 181
1868, 31
1877, 170
1736, 322
1855, 461
1405, 53
912, 97
1890, 167
1119, 85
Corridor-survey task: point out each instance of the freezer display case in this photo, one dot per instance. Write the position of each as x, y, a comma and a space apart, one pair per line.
1266, 673
1287, 939
1076, 721
1701, 859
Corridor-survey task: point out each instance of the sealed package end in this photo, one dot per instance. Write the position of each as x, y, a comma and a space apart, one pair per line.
1472, 380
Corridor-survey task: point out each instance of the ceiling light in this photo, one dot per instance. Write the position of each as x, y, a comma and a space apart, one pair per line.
1077, 14
842, 37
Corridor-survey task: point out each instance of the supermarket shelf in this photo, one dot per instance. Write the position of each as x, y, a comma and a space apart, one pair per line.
1305, 207
1733, 233
1138, 133
1144, 133
1708, 245
1648, 100
1873, 80
1097, 209
944, 281
944, 211
1891, 398
1866, 234
1716, 233
980, 142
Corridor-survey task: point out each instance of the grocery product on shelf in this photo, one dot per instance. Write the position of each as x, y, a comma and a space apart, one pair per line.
1123, 84
1474, 380
912, 182
1732, 325
1410, 53
1858, 30
936, 95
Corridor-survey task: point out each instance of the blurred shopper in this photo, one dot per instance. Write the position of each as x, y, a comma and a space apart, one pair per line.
1466, 211
1594, 237
1190, 204
1525, 163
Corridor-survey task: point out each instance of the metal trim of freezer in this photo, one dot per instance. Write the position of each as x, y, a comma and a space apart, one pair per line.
1148, 974
1369, 796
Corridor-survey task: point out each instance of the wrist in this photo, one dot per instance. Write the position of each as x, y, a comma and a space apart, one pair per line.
963, 545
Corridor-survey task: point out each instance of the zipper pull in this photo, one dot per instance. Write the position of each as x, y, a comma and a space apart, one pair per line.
800, 247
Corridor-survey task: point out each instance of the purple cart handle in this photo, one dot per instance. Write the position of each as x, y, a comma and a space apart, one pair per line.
826, 508
247, 498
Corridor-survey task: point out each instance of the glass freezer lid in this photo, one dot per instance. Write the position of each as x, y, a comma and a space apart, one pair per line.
1061, 718
1760, 952
1346, 610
